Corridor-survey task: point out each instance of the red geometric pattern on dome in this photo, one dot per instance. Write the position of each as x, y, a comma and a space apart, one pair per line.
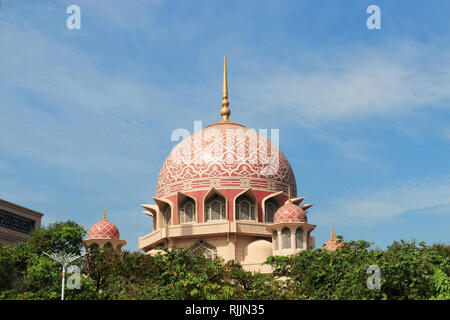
332, 244
104, 230
290, 212
230, 155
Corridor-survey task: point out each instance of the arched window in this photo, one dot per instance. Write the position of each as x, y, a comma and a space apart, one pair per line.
286, 237
167, 216
209, 251
245, 208
270, 209
187, 211
93, 247
299, 238
108, 245
275, 240
215, 208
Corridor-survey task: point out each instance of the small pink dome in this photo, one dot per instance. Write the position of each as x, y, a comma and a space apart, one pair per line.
104, 230
290, 212
332, 244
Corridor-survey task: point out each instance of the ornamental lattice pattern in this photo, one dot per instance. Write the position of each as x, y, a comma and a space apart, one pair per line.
290, 213
104, 230
15, 222
230, 155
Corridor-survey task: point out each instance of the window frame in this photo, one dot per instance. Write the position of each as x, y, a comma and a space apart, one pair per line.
284, 237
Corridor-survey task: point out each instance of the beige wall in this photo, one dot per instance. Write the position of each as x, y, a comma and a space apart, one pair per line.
11, 237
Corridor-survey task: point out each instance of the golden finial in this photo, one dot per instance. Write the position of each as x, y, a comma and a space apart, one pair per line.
334, 231
331, 231
289, 193
104, 213
225, 111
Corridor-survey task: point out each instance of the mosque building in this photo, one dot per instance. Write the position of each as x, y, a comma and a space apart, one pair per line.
226, 191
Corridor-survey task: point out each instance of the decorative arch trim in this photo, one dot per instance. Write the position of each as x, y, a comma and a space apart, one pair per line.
277, 197
209, 195
207, 249
248, 192
182, 197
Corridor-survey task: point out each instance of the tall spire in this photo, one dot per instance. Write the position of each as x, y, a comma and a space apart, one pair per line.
104, 213
225, 111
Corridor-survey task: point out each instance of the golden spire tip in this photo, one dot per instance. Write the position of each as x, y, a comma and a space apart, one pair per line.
225, 111
104, 213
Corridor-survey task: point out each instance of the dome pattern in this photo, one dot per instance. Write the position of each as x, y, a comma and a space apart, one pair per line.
290, 212
332, 244
225, 155
104, 230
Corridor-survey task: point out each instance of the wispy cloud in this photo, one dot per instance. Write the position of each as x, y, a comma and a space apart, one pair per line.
389, 204
352, 84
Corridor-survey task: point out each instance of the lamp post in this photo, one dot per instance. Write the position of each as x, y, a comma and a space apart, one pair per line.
64, 259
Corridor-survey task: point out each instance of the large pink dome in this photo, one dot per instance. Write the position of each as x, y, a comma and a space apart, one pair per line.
225, 155
104, 230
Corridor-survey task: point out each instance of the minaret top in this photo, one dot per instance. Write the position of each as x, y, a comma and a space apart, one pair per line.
225, 111
104, 213
333, 235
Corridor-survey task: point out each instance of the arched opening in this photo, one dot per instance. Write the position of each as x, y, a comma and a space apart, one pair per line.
275, 240
286, 238
245, 208
270, 209
93, 247
209, 251
187, 211
108, 245
167, 216
215, 208
299, 238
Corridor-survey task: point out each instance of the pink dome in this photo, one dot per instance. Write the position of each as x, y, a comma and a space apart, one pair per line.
290, 212
225, 155
332, 244
104, 230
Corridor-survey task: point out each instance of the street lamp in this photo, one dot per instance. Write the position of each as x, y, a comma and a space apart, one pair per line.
64, 259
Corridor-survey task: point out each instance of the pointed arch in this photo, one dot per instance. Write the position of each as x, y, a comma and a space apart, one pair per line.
246, 206
276, 199
165, 207
208, 250
215, 206
152, 211
187, 208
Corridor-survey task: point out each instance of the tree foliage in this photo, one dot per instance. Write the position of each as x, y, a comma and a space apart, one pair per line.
409, 270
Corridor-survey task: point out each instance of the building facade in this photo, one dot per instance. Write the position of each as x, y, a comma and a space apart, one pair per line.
219, 191
17, 222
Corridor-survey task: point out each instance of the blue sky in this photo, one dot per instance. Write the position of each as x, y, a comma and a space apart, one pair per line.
364, 115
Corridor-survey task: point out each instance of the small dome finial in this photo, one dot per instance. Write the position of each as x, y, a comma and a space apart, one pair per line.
333, 235
104, 213
225, 111
289, 193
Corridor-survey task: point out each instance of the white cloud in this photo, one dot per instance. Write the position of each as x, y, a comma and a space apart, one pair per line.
347, 84
372, 207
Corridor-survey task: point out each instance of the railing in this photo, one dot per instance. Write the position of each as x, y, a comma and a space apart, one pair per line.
206, 228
